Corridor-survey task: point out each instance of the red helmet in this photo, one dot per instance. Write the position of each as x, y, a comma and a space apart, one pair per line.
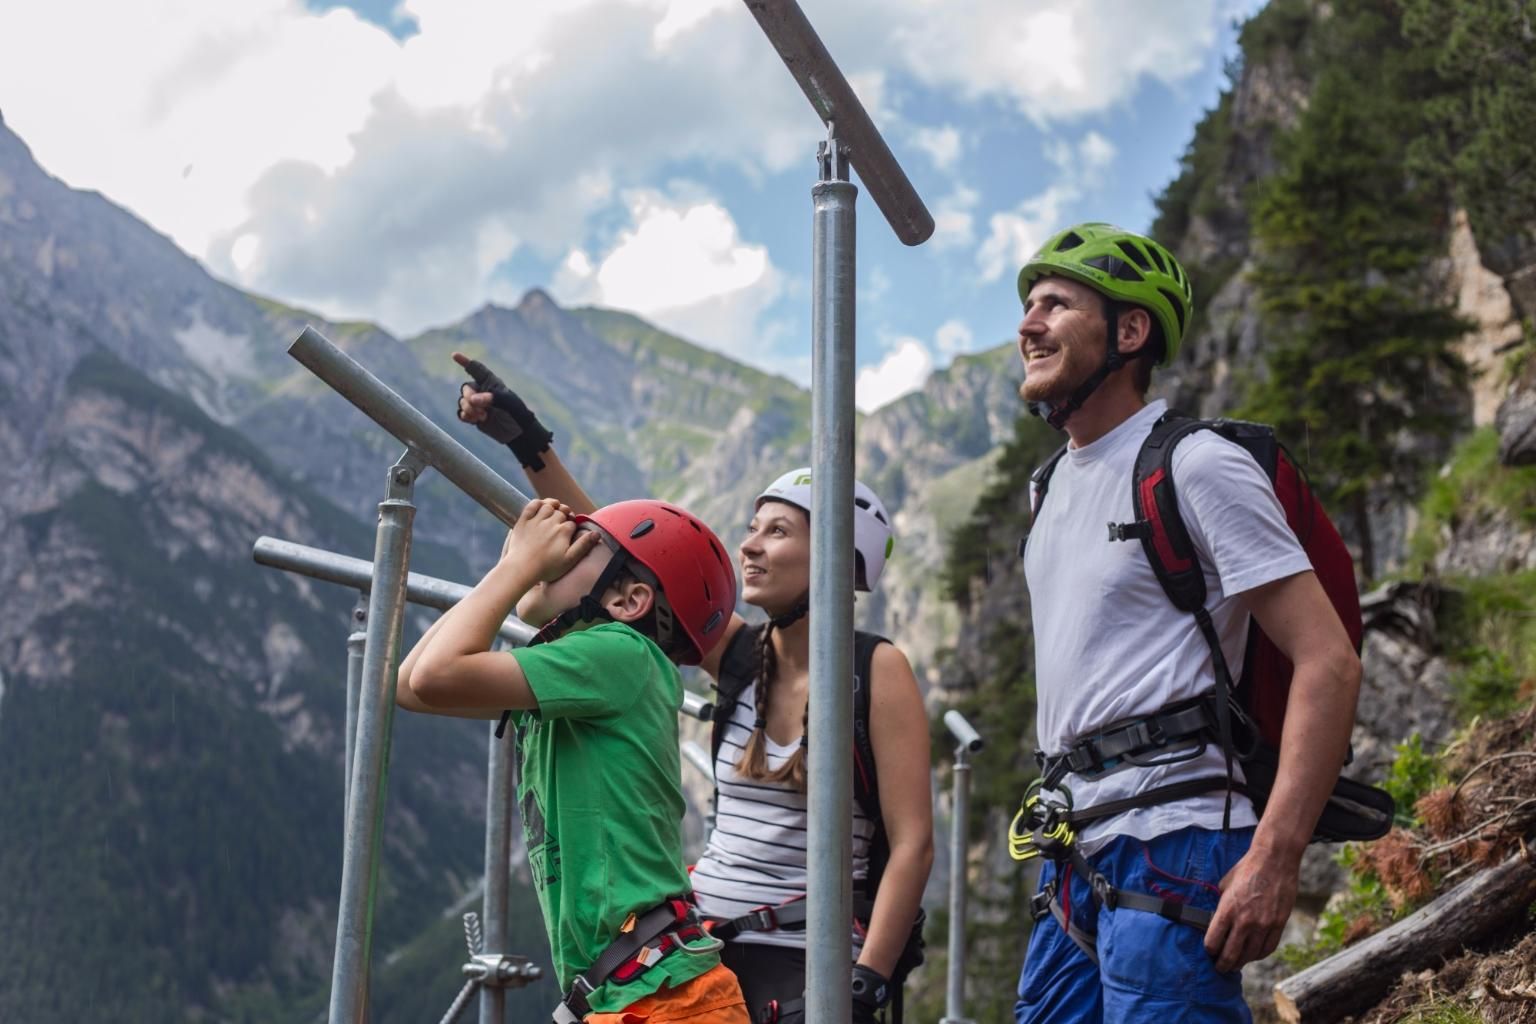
692, 572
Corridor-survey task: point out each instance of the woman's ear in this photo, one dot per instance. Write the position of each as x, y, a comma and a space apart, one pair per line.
630, 601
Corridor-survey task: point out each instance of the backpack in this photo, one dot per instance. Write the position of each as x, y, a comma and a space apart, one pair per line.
738, 667
1257, 700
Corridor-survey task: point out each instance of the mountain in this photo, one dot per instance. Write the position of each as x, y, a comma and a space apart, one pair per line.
171, 713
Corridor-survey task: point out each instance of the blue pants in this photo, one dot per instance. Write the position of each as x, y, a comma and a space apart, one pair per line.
1150, 969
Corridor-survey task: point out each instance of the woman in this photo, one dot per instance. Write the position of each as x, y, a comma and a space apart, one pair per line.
756, 854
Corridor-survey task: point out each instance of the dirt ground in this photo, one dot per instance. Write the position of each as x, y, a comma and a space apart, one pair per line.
1484, 816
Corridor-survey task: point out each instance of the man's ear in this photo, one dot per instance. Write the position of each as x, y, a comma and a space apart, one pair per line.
630, 601
1135, 330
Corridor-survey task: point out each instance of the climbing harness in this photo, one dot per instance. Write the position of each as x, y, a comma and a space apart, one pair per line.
1044, 827
650, 937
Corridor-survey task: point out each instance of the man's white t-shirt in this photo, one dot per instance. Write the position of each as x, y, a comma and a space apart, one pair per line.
1109, 645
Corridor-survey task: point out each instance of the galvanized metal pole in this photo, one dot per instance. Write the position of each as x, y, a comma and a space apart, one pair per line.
355, 644
829, 946
435, 448
498, 856
967, 743
320, 564
376, 706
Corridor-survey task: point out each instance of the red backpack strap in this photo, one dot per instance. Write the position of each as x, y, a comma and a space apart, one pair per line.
1158, 524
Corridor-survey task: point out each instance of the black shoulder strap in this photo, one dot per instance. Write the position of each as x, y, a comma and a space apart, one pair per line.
866, 787
1040, 480
738, 665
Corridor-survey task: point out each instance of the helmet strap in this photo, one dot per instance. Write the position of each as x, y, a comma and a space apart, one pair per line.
1057, 415
800, 609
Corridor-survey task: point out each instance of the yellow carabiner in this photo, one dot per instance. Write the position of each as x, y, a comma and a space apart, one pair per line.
1023, 843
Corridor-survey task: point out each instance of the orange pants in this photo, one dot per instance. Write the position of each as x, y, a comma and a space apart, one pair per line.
713, 997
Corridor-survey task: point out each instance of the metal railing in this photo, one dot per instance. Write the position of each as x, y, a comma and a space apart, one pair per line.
387, 585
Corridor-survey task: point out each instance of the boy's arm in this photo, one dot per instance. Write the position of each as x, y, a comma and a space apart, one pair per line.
453, 668
453, 665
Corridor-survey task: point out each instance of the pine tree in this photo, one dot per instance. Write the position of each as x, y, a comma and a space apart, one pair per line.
1360, 369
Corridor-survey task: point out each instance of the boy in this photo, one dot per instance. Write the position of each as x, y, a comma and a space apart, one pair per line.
619, 596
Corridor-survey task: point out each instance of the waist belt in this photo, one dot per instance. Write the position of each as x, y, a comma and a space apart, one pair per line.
1187, 725
657, 932
789, 916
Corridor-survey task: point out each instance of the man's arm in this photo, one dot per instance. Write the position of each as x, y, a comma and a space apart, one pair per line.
1260, 891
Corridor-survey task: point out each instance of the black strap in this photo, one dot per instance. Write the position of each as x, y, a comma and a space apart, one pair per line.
1151, 798
1106, 896
660, 919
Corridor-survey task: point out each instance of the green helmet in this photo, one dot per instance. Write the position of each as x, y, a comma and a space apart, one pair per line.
1123, 265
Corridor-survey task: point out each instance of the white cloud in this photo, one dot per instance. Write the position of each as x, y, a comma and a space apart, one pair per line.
952, 338
682, 263
902, 372
1054, 59
953, 223
943, 145
1016, 235
314, 157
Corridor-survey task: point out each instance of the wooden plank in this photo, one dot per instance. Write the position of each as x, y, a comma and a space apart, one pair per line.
1359, 976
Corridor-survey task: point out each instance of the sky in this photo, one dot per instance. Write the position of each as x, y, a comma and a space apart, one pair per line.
408, 162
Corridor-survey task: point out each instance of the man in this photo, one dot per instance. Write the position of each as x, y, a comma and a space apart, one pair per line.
1102, 306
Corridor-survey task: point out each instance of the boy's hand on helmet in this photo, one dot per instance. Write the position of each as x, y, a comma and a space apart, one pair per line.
500, 414
545, 540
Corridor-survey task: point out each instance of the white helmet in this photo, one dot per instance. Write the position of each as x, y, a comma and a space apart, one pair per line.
872, 539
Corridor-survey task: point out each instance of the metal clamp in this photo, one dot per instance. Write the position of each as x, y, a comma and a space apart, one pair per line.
502, 970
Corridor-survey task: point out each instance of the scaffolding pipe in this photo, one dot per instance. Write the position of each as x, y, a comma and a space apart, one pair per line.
818, 76
356, 641
967, 742
376, 706
696, 706
348, 378
498, 857
829, 853
357, 573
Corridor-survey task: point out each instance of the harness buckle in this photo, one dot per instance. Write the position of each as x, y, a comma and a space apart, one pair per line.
1040, 902
1106, 894
763, 919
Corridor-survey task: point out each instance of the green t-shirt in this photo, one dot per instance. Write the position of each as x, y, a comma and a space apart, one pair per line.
602, 800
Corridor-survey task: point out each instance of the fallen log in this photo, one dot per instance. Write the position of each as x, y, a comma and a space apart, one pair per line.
1359, 976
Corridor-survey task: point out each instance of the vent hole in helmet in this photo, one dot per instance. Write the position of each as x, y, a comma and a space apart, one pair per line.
1157, 258
642, 529
1071, 240
1114, 267
1134, 252
1177, 302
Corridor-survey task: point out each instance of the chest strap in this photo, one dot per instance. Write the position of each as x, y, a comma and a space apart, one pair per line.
657, 932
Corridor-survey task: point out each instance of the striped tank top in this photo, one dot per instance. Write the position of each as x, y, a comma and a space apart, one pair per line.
756, 854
